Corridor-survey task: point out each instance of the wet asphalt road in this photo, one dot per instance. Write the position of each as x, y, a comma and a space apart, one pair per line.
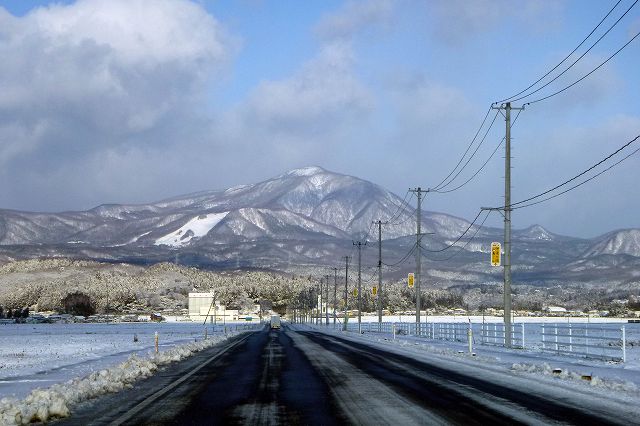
305, 377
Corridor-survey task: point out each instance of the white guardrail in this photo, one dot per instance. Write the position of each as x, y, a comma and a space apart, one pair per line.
587, 340
493, 334
455, 332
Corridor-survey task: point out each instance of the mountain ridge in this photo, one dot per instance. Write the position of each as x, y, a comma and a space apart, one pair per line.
303, 218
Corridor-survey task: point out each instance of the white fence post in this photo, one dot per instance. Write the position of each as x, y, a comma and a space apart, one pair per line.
624, 345
570, 340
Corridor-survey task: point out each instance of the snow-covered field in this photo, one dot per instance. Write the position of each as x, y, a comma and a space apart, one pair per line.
47, 368
39, 355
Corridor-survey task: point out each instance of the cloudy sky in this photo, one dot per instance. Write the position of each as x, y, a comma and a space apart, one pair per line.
132, 101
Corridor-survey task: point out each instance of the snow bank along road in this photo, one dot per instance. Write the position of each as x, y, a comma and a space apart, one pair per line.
301, 376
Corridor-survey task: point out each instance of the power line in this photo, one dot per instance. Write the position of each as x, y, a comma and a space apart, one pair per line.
513, 205
457, 239
404, 208
366, 237
579, 58
398, 207
588, 74
483, 164
404, 258
565, 58
465, 244
467, 150
579, 184
439, 187
406, 219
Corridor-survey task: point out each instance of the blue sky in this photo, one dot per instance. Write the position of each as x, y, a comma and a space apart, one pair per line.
132, 101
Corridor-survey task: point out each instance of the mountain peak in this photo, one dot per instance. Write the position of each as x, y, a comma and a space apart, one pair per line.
536, 232
306, 171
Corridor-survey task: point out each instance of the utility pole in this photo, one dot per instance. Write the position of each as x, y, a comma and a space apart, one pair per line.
335, 294
359, 244
418, 192
380, 294
326, 301
507, 221
346, 291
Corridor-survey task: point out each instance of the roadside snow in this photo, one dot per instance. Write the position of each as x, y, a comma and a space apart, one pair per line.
620, 380
55, 401
45, 354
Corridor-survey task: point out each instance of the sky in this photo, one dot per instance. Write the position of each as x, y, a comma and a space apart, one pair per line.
134, 101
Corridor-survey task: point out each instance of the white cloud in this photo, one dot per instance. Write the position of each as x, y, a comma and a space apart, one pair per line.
82, 81
98, 73
324, 90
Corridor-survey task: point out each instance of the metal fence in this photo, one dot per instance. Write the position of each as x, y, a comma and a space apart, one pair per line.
494, 334
587, 340
456, 332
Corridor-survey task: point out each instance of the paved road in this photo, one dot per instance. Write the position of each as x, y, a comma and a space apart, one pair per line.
306, 377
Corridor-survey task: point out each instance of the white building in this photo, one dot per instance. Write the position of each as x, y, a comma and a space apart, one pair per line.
556, 310
202, 306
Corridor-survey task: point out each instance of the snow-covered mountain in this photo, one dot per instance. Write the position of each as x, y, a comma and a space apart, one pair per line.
303, 203
307, 217
626, 241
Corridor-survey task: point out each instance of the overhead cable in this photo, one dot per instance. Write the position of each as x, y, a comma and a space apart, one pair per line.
467, 150
483, 164
440, 187
511, 98
578, 184
404, 258
586, 75
465, 244
527, 200
457, 239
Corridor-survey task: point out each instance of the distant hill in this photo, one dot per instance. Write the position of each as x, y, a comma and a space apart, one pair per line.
305, 220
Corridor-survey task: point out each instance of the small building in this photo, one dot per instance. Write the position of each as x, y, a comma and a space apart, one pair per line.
202, 306
555, 310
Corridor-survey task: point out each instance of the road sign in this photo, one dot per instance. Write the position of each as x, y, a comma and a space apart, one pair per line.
355, 292
410, 280
374, 291
496, 254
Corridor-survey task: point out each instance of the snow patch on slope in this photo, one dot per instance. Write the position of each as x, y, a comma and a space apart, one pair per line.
197, 227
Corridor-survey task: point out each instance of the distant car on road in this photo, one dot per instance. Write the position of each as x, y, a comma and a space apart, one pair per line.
275, 321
